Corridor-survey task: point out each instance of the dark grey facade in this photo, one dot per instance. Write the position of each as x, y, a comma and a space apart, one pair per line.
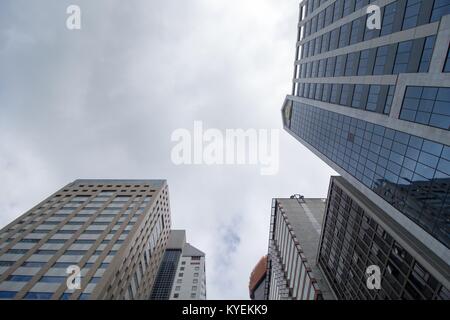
357, 234
375, 106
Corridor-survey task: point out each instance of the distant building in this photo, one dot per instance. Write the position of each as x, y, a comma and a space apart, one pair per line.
295, 228
257, 283
114, 231
182, 274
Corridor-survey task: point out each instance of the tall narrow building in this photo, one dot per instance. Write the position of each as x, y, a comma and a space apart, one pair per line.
374, 104
114, 231
182, 275
292, 271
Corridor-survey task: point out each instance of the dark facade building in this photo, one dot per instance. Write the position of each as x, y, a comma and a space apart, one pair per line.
114, 231
357, 234
257, 282
374, 104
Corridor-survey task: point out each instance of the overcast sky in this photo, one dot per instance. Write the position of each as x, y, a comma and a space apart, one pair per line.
103, 101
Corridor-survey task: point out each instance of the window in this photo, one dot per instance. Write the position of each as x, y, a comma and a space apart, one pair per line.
193, 295
352, 60
440, 8
402, 57
372, 99
331, 62
358, 26
388, 18
52, 279
334, 39
389, 99
6, 263
348, 7
357, 97
340, 65
411, 14
363, 62
19, 278
177, 288
426, 54
38, 295
7, 294
344, 35
196, 275
194, 288
380, 60
176, 295
346, 94
427, 105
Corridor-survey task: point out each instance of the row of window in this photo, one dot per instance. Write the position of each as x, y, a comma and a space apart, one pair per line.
410, 56
410, 15
375, 98
331, 14
39, 295
427, 105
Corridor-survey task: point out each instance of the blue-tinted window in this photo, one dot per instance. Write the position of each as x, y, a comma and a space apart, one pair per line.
7, 294
363, 63
19, 278
380, 60
344, 35
388, 18
427, 105
389, 99
349, 5
52, 279
340, 65
402, 57
38, 295
411, 14
440, 8
426, 54
372, 99
357, 101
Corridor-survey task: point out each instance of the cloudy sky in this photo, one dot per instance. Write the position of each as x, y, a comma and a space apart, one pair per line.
103, 101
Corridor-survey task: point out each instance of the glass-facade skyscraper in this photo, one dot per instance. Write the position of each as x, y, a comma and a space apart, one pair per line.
114, 231
374, 104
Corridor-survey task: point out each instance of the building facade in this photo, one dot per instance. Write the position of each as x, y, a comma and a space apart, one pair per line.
357, 235
257, 284
292, 272
374, 104
182, 275
114, 231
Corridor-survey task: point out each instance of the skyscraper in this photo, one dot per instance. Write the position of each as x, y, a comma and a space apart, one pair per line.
357, 234
182, 273
374, 104
292, 272
114, 231
257, 284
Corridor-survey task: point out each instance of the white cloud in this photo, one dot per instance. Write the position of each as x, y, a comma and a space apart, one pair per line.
102, 103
